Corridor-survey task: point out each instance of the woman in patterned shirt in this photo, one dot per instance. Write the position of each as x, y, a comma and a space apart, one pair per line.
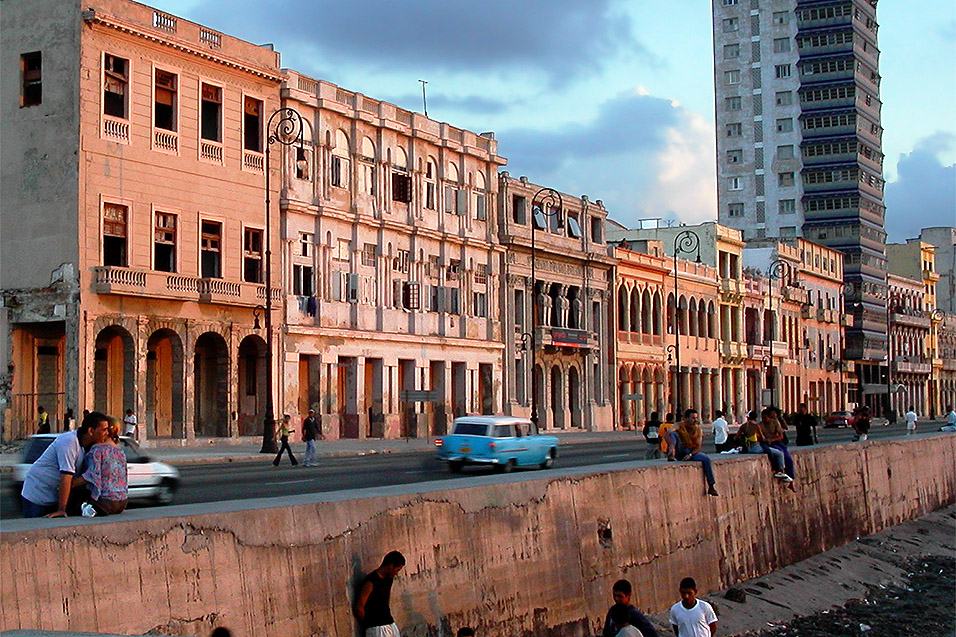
105, 475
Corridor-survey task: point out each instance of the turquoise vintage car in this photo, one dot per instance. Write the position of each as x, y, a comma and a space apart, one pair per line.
504, 442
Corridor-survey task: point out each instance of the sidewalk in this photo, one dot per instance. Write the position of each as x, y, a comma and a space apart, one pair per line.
228, 451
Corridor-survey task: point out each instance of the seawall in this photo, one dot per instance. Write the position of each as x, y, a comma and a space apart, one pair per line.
522, 554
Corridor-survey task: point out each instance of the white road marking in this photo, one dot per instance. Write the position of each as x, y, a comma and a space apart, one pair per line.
415, 472
287, 482
620, 455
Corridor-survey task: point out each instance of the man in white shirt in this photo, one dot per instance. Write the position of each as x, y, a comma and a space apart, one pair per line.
129, 421
720, 432
950, 421
692, 617
910, 421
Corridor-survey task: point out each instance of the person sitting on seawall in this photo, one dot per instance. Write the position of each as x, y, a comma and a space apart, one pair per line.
752, 442
772, 437
687, 441
950, 421
664, 434
652, 434
861, 423
105, 476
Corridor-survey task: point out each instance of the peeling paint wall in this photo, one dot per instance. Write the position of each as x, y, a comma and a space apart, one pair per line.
530, 554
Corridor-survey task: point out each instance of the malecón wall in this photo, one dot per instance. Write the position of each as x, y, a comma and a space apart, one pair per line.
513, 555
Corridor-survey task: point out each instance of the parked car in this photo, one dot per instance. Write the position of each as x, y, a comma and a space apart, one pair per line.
148, 480
839, 419
503, 442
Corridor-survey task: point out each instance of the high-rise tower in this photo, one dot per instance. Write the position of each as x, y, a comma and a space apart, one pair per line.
799, 141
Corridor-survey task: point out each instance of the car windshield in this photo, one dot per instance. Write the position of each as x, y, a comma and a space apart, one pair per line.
131, 450
471, 429
36, 448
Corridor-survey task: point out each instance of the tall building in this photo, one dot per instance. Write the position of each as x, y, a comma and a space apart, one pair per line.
799, 141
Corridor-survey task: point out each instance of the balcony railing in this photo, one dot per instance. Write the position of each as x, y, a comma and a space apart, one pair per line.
165, 140
914, 366
252, 160
210, 151
116, 129
799, 295
165, 285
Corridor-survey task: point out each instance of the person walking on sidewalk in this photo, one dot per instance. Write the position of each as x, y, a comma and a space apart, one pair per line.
911, 419
692, 617
310, 432
621, 594
372, 608
282, 433
806, 425
129, 424
721, 434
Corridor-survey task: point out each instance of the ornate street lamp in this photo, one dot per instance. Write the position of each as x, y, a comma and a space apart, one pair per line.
685, 242
286, 127
935, 316
545, 203
777, 270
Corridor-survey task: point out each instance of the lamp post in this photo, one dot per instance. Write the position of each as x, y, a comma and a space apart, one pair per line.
286, 127
847, 289
672, 349
685, 242
935, 316
547, 202
778, 270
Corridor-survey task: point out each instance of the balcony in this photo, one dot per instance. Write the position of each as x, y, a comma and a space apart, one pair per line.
116, 129
565, 337
210, 151
806, 312
179, 287
758, 352
910, 320
166, 141
730, 350
910, 365
253, 161
799, 295
732, 287
780, 348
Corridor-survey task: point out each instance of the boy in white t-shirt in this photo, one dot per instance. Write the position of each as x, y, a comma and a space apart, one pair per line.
910, 421
691, 617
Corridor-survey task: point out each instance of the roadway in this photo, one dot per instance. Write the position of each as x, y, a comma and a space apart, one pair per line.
219, 481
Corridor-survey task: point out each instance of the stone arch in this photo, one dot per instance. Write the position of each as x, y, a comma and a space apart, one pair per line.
165, 385
114, 371
574, 396
647, 312
635, 310
211, 385
252, 388
557, 391
692, 320
658, 314
622, 305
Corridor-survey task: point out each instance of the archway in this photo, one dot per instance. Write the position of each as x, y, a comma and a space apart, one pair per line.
574, 396
252, 385
537, 393
557, 391
114, 371
164, 385
211, 377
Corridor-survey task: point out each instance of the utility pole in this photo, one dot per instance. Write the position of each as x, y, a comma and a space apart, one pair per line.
424, 103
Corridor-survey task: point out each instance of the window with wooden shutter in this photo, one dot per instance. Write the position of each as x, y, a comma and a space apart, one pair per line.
210, 250
164, 242
411, 295
252, 125
401, 187
164, 97
115, 235
115, 84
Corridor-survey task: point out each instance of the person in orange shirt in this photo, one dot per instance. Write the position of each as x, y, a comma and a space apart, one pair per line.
663, 432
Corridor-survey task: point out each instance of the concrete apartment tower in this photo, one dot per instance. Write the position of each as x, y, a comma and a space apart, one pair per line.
799, 142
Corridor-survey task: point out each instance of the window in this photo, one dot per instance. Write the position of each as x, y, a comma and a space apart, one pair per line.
302, 278
430, 185
781, 71
784, 125
343, 248
210, 113
211, 250
734, 130
480, 213
784, 98
733, 183
597, 227
731, 51
456, 201
731, 24
480, 304
519, 209
781, 17
252, 256
735, 210
787, 206
788, 231
368, 255
732, 77
732, 104
735, 156
115, 85
164, 100
401, 186
115, 219
411, 295
306, 243
785, 152
31, 86
781, 45
401, 261
481, 274
728, 3
785, 179
164, 243
574, 228
454, 270
252, 125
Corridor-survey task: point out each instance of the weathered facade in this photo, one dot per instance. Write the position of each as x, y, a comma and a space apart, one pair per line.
133, 185
393, 267
557, 343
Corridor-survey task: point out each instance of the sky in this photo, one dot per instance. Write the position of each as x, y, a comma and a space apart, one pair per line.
609, 98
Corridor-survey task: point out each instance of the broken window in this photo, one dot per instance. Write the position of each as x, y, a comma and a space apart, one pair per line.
252, 125
115, 84
164, 243
401, 187
519, 209
597, 227
114, 235
305, 244
31, 87
211, 250
302, 277
252, 256
210, 126
164, 100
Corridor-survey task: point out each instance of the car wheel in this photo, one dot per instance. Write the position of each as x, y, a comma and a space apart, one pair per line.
549, 459
507, 467
165, 492
454, 466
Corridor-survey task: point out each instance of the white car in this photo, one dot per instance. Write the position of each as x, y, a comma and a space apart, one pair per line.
148, 480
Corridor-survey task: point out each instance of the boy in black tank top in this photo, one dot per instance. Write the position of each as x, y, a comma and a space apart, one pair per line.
372, 604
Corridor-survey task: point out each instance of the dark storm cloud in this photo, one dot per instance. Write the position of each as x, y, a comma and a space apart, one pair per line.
559, 38
625, 124
924, 194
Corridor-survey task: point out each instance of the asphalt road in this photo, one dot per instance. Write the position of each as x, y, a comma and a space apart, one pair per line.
215, 482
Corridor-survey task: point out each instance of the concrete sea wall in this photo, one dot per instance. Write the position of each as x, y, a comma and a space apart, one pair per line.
526, 554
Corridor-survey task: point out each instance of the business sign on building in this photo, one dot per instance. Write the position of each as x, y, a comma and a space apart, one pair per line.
564, 337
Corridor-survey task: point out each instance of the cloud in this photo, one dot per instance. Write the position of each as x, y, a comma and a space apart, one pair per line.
641, 155
562, 39
924, 193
